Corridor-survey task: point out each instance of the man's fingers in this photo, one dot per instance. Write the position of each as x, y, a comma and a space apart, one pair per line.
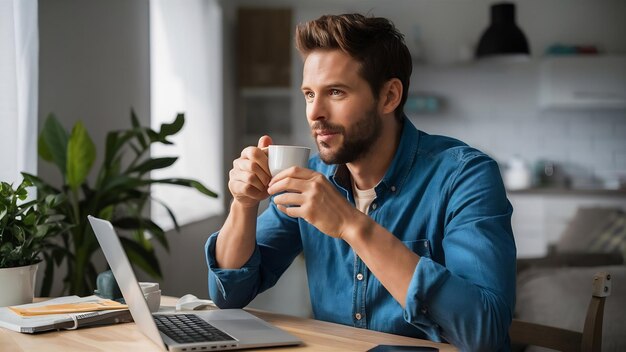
292, 172
265, 141
289, 198
247, 165
242, 188
293, 212
248, 177
257, 156
289, 185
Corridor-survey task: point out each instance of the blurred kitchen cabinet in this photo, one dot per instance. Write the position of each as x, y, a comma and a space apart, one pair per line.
264, 47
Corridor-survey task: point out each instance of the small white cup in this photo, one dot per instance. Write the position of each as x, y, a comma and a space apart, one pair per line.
152, 294
281, 157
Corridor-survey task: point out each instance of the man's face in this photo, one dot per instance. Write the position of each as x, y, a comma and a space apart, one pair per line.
340, 107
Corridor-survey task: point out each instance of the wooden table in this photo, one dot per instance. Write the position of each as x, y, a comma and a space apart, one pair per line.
317, 336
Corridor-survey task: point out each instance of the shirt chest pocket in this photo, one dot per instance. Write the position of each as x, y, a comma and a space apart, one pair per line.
419, 247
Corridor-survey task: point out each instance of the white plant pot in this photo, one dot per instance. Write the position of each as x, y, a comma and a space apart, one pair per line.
17, 285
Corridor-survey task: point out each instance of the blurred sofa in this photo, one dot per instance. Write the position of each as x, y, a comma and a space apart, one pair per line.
555, 290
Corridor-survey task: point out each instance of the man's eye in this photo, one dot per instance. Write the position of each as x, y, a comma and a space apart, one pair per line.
335, 92
309, 95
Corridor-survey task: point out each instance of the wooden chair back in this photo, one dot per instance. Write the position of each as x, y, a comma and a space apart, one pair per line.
589, 340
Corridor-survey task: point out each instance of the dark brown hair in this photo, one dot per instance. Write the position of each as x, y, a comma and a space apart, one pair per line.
373, 41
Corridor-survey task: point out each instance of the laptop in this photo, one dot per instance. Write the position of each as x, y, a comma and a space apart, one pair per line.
212, 330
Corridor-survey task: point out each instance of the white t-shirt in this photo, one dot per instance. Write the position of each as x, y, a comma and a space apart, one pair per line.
363, 198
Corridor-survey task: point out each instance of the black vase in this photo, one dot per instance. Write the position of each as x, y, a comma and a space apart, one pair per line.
503, 36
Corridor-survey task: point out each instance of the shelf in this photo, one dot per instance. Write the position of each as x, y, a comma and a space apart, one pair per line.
570, 192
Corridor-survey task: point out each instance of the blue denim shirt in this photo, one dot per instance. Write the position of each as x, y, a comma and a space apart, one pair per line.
446, 202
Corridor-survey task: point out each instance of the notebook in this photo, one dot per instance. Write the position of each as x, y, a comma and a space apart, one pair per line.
40, 323
213, 330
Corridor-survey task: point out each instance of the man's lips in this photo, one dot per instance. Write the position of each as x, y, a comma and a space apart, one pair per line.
325, 135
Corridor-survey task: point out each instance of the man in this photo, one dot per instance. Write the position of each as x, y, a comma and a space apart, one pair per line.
402, 232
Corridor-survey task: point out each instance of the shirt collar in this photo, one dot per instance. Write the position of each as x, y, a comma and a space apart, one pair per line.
396, 174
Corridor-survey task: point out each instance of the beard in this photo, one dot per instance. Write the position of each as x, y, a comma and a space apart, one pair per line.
358, 139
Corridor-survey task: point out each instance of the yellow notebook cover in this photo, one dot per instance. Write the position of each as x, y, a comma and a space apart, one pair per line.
102, 304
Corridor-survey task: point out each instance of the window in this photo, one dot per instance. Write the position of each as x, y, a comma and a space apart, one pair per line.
19, 45
186, 76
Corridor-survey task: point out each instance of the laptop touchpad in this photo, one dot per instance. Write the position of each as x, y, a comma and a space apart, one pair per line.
240, 325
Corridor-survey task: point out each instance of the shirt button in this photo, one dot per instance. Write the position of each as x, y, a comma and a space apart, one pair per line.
359, 276
358, 316
374, 206
424, 310
393, 188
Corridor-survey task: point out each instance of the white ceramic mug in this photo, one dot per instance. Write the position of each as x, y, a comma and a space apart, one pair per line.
281, 157
152, 294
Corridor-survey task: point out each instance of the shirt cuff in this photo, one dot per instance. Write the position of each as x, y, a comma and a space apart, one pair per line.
231, 287
427, 277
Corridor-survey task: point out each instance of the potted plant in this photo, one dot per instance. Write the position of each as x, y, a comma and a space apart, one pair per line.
25, 230
120, 193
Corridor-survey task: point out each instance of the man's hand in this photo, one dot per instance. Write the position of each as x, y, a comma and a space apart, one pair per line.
250, 175
310, 196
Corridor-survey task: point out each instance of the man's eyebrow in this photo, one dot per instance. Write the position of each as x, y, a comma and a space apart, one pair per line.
329, 86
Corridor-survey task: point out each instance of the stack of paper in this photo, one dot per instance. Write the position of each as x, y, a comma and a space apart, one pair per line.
88, 311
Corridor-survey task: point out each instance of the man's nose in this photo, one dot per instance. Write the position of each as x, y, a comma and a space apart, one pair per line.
316, 110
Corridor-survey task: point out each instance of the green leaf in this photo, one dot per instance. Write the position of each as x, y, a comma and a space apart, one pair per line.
43, 150
121, 181
130, 223
111, 147
3, 211
144, 259
24, 207
169, 212
18, 233
53, 143
137, 127
55, 218
155, 137
29, 220
168, 129
39, 183
106, 213
81, 153
42, 230
188, 183
25, 184
153, 164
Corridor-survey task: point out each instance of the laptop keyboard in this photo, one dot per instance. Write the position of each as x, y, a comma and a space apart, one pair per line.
189, 328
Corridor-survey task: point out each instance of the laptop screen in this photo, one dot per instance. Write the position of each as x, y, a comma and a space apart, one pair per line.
125, 277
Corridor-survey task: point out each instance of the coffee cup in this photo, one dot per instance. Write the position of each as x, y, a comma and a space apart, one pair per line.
152, 294
281, 157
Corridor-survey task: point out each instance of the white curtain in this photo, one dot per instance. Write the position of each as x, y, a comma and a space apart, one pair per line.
19, 51
186, 76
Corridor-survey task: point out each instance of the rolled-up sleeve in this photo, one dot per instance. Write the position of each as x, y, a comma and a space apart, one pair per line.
277, 244
232, 288
469, 299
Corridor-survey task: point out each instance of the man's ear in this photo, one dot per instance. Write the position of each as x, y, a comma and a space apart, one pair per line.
390, 96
